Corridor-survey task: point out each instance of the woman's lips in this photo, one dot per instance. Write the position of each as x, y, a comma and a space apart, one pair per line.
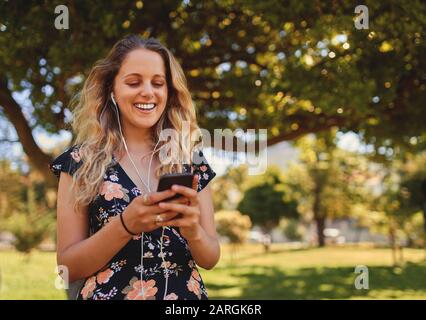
145, 107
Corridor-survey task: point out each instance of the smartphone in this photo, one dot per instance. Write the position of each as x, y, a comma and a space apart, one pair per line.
168, 180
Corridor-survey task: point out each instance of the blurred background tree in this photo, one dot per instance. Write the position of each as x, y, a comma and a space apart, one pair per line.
330, 180
293, 229
11, 189
268, 200
234, 226
294, 67
401, 201
30, 222
230, 187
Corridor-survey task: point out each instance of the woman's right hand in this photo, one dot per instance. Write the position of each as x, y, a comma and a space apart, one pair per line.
142, 213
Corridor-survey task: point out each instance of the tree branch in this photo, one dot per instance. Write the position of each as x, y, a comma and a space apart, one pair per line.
37, 157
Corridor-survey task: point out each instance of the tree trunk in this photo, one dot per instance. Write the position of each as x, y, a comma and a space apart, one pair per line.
318, 217
392, 244
266, 241
267, 237
38, 159
401, 255
424, 223
320, 231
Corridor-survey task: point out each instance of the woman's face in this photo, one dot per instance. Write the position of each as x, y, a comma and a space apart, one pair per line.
140, 89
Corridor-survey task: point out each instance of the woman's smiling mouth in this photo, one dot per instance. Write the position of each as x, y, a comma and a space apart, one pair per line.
145, 106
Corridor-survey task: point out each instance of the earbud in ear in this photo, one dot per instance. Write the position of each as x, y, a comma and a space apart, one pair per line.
112, 97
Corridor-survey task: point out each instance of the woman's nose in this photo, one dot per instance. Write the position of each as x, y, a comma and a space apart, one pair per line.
147, 90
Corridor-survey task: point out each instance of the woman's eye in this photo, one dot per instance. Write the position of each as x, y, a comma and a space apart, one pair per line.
135, 84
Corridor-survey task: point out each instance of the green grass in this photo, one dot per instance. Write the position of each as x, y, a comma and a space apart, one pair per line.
326, 273
33, 278
283, 273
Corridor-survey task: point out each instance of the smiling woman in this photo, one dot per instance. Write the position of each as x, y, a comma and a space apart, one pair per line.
115, 233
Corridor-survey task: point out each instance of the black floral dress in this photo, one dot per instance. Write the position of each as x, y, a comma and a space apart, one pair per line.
120, 278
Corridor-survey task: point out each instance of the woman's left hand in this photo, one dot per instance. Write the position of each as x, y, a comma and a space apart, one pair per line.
188, 219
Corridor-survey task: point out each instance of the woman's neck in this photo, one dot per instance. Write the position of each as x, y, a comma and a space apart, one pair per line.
138, 141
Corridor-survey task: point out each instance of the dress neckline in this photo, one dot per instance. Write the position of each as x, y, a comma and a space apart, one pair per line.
120, 167
186, 168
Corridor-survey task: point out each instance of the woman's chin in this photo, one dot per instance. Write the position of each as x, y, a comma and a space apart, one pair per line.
144, 120
146, 123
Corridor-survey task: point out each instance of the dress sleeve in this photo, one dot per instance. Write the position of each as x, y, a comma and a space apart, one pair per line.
69, 161
201, 167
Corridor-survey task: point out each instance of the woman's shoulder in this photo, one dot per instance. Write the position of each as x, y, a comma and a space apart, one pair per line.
68, 161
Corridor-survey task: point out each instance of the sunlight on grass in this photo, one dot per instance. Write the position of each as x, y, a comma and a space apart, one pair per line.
28, 279
314, 273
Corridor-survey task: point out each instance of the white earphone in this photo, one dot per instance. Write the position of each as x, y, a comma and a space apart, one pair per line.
113, 100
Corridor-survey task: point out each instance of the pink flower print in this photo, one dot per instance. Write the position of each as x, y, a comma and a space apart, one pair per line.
171, 296
140, 290
104, 276
89, 287
75, 154
111, 190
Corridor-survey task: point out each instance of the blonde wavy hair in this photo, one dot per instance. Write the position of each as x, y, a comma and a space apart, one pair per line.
95, 122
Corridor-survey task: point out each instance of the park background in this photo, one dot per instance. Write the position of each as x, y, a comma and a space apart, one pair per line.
345, 113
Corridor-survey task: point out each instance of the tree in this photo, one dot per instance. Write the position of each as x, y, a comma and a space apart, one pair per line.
412, 195
396, 208
329, 180
234, 226
294, 67
292, 229
413, 184
268, 200
228, 188
29, 223
26, 207
11, 190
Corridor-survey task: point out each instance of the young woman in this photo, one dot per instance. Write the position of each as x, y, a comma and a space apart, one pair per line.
114, 231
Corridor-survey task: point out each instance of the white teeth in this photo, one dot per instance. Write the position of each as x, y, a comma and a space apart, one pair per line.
145, 106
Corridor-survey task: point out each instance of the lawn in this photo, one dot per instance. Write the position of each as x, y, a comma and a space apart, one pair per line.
283, 273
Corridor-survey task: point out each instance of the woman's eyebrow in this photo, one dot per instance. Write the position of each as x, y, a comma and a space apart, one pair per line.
139, 75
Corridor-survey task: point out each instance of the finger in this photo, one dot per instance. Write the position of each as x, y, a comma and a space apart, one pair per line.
190, 194
181, 200
174, 223
165, 216
181, 208
195, 182
154, 209
185, 191
151, 198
